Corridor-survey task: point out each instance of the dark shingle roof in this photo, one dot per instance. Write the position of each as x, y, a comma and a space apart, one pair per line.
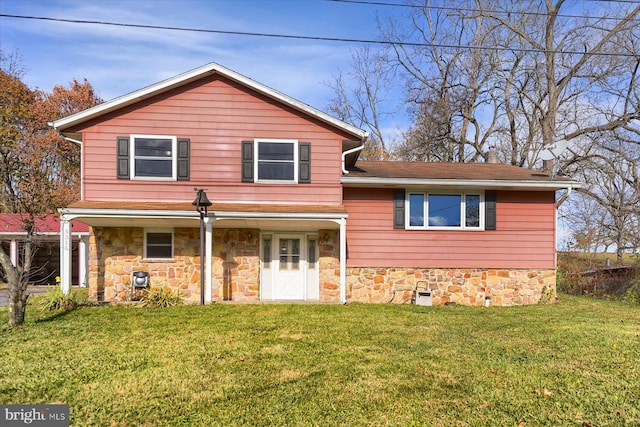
466, 171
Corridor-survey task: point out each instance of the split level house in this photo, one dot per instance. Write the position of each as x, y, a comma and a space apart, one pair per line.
294, 214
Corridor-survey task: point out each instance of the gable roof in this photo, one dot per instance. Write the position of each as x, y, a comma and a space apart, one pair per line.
182, 79
474, 175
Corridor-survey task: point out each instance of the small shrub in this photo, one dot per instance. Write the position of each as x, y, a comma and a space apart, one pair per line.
632, 294
55, 299
160, 297
546, 295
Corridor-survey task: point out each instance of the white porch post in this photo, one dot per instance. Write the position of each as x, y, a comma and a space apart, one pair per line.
343, 260
65, 254
13, 252
207, 253
83, 258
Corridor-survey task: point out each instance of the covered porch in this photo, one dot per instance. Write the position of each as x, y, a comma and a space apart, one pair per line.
249, 249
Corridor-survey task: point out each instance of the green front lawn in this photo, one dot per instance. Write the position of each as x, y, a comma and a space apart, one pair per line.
576, 363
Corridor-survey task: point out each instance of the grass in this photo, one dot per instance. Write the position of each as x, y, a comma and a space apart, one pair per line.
574, 363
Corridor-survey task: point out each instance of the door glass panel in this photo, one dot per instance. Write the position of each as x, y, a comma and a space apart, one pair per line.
284, 255
312, 253
295, 254
289, 254
266, 253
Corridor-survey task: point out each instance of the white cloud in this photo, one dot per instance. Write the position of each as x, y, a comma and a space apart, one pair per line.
117, 60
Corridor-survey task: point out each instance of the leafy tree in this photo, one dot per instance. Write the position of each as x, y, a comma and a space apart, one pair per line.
39, 170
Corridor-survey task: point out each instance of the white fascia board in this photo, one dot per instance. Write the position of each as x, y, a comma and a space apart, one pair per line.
195, 74
72, 213
451, 183
279, 215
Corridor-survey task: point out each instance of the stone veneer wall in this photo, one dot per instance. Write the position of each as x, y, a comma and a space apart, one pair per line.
329, 265
235, 264
504, 287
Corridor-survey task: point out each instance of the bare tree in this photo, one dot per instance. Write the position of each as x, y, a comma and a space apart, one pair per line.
449, 78
362, 99
518, 76
589, 69
610, 172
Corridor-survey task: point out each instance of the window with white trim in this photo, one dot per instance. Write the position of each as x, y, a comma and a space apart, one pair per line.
154, 157
445, 211
276, 160
158, 243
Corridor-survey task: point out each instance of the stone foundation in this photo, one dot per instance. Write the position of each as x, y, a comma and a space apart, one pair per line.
504, 287
115, 253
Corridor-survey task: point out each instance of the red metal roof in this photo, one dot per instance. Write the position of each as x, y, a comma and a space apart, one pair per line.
13, 223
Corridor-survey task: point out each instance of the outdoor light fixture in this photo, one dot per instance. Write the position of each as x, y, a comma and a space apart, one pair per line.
202, 204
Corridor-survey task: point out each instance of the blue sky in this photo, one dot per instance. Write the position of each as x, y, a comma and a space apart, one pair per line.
118, 60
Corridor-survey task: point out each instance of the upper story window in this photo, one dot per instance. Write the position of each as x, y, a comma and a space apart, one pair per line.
276, 161
444, 211
153, 157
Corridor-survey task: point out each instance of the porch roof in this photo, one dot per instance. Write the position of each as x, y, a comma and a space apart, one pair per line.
184, 214
216, 207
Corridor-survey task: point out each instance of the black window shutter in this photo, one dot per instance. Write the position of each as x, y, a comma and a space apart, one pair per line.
304, 162
398, 209
123, 157
247, 161
183, 159
490, 210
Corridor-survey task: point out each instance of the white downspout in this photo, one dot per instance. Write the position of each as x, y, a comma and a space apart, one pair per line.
343, 260
344, 157
564, 197
207, 261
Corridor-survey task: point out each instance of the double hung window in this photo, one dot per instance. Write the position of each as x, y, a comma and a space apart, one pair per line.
276, 160
154, 156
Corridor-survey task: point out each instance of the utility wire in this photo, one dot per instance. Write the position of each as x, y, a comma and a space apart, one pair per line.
501, 12
316, 38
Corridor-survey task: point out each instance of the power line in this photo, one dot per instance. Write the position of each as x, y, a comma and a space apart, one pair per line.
501, 12
315, 38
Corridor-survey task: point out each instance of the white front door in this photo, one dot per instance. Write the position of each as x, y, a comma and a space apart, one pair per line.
289, 268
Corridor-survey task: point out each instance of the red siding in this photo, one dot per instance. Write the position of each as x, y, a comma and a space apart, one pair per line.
525, 235
216, 114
